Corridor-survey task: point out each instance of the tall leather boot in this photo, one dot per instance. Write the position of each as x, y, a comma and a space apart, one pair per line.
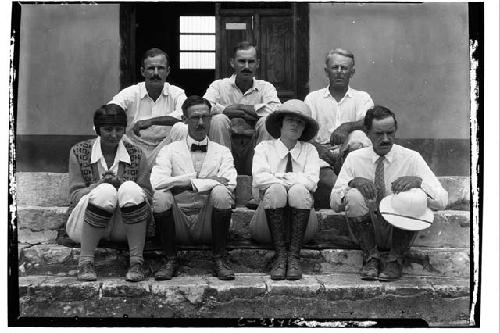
221, 220
298, 222
401, 241
276, 223
165, 230
363, 232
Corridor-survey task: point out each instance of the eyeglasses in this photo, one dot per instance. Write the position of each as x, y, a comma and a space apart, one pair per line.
197, 118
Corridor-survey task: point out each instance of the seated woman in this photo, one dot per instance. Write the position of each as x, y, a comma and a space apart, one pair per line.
110, 193
286, 172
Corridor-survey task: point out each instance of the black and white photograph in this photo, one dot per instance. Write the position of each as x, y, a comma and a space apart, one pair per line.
181, 164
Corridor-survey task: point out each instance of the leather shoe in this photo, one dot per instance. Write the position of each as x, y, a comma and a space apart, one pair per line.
86, 272
223, 270
168, 270
369, 271
278, 270
136, 273
392, 271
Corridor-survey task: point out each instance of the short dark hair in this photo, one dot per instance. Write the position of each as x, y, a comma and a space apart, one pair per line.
194, 100
153, 53
244, 45
342, 52
378, 112
109, 114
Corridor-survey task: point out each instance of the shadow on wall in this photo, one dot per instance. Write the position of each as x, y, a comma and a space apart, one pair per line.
50, 153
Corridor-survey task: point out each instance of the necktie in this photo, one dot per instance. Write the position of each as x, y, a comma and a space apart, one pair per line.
289, 167
379, 179
202, 148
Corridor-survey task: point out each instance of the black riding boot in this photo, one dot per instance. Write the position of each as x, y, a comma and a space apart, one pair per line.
276, 223
298, 223
165, 231
221, 219
362, 230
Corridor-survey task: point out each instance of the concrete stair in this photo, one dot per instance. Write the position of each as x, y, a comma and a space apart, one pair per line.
435, 285
438, 301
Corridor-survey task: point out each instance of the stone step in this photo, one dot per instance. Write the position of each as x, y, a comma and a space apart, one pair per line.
51, 189
438, 301
63, 261
451, 228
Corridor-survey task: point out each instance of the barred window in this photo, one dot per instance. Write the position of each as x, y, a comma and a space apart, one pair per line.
197, 42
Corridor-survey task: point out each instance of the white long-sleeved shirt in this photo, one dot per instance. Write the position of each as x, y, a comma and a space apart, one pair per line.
330, 114
262, 95
270, 160
139, 106
176, 163
399, 162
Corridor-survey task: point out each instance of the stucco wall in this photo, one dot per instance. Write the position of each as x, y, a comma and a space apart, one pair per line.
68, 66
412, 58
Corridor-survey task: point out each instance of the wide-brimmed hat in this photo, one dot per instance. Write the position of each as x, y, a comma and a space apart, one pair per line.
293, 107
407, 210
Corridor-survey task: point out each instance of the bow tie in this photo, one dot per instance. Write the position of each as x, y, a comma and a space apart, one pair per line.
202, 148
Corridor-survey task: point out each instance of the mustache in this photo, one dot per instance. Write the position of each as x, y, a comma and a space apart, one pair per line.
156, 77
246, 71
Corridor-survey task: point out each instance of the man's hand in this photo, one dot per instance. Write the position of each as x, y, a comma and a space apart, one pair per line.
325, 154
140, 125
181, 186
405, 183
222, 180
365, 186
339, 136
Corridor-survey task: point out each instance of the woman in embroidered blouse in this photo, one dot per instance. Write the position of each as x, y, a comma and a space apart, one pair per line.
110, 193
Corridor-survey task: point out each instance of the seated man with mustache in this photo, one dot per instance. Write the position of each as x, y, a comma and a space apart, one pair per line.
367, 176
152, 106
240, 104
194, 179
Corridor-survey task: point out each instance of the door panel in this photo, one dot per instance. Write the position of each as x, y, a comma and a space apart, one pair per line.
276, 60
232, 30
280, 34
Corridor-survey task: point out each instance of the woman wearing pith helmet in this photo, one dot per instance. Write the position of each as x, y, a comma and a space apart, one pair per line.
286, 171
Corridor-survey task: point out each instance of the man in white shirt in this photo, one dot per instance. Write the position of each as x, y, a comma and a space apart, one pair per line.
367, 175
194, 180
340, 110
152, 106
286, 171
240, 105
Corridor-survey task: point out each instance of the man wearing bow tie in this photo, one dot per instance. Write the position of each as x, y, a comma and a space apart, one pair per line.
194, 180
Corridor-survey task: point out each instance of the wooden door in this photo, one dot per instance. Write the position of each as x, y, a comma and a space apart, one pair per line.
280, 33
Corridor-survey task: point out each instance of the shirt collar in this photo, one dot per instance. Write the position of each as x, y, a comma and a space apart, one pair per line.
144, 92
121, 153
283, 150
348, 93
190, 141
232, 79
389, 156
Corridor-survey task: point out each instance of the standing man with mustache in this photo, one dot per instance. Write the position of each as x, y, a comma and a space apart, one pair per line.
152, 106
339, 110
240, 104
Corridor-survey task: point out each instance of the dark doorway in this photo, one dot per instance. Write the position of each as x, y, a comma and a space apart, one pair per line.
150, 25
280, 30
